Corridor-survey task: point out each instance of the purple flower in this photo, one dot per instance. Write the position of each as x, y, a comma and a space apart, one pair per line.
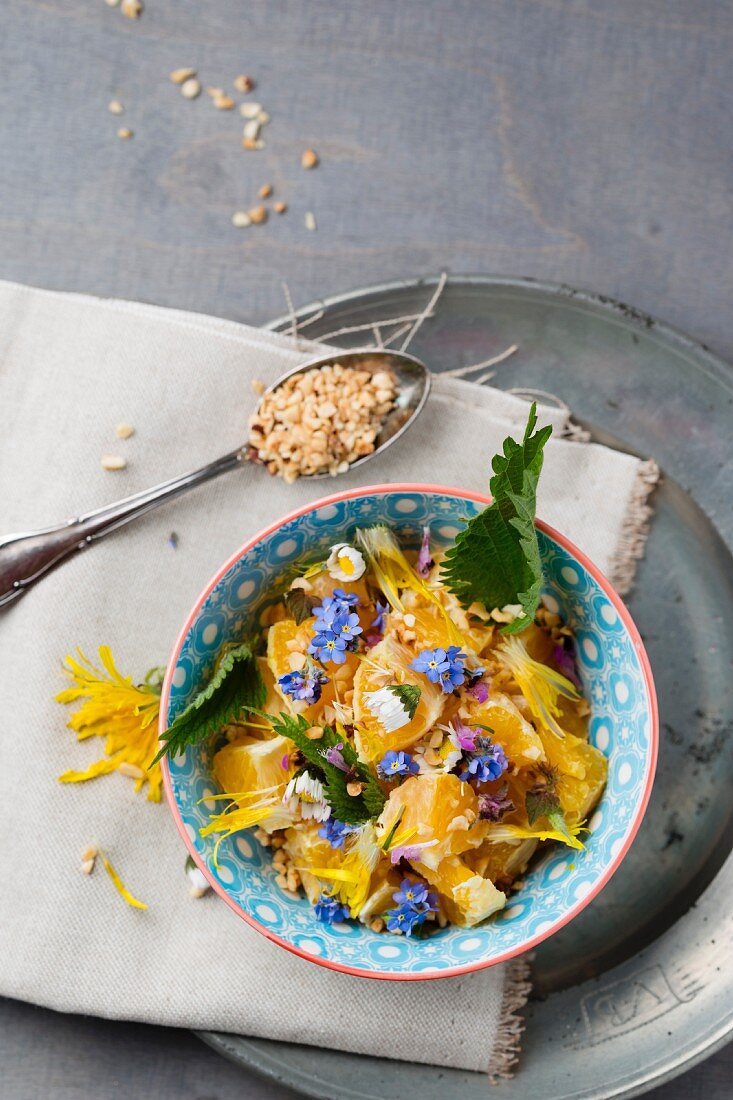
305, 687
565, 661
464, 737
486, 765
480, 691
327, 646
330, 910
432, 663
335, 756
410, 852
492, 807
397, 763
424, 559
378, 620
336, 832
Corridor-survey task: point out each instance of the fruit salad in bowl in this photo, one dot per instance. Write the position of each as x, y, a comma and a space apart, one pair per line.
408, 732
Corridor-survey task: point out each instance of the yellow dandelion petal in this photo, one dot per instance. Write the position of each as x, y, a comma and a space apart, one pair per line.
540, 685
392, 572
501, 833
120, 886
101, 767
123, 713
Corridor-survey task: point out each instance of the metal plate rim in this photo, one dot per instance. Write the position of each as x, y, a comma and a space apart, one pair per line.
256, 1057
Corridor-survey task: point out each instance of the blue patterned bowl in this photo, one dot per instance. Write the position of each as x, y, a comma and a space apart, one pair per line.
616, 677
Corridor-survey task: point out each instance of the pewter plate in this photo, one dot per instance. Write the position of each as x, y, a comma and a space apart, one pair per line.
639, 987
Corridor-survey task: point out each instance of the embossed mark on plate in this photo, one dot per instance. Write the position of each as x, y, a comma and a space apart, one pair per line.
627, 1005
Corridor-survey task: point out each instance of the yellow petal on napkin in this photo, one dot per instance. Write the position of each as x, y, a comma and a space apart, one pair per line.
124, 713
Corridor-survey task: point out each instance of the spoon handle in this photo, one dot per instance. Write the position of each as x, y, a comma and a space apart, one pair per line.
26, 557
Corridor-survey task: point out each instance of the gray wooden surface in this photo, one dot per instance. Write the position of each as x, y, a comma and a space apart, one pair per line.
577, 140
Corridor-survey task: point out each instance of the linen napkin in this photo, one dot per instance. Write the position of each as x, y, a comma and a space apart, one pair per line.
71, 368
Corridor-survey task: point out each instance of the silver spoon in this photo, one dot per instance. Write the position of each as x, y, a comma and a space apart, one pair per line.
24, 558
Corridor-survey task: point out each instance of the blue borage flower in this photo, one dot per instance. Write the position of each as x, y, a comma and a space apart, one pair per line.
412, 893
347, 626
330, 910
336, 832
442, 666
377, 622
403, 919
395, 764
327, 646
336, 628
338, 603
414, 903
304, 685
486, 763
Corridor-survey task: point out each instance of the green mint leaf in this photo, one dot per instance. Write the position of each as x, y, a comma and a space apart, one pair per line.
408, 695
557, 821
541, 802
495, 560
236, 688
352, 811
300, 605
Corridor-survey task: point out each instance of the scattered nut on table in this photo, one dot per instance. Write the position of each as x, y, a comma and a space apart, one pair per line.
124, 431
113, 462
241, 219
180, 76
280, 207
133, 9
258, 214
309, 158
115, 107
243, 83
191, 88
124, 133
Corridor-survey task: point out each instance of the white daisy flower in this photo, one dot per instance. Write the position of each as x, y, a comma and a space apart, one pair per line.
345, 563
393, 706
307, 793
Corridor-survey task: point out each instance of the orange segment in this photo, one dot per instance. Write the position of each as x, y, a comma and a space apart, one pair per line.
519, 740
287, 645
583, 770
251, 765
501, 862
435, 806
468, 897
386, 663
323, 584
307, 849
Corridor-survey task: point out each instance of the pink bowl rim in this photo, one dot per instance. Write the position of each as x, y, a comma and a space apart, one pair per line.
625, 616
